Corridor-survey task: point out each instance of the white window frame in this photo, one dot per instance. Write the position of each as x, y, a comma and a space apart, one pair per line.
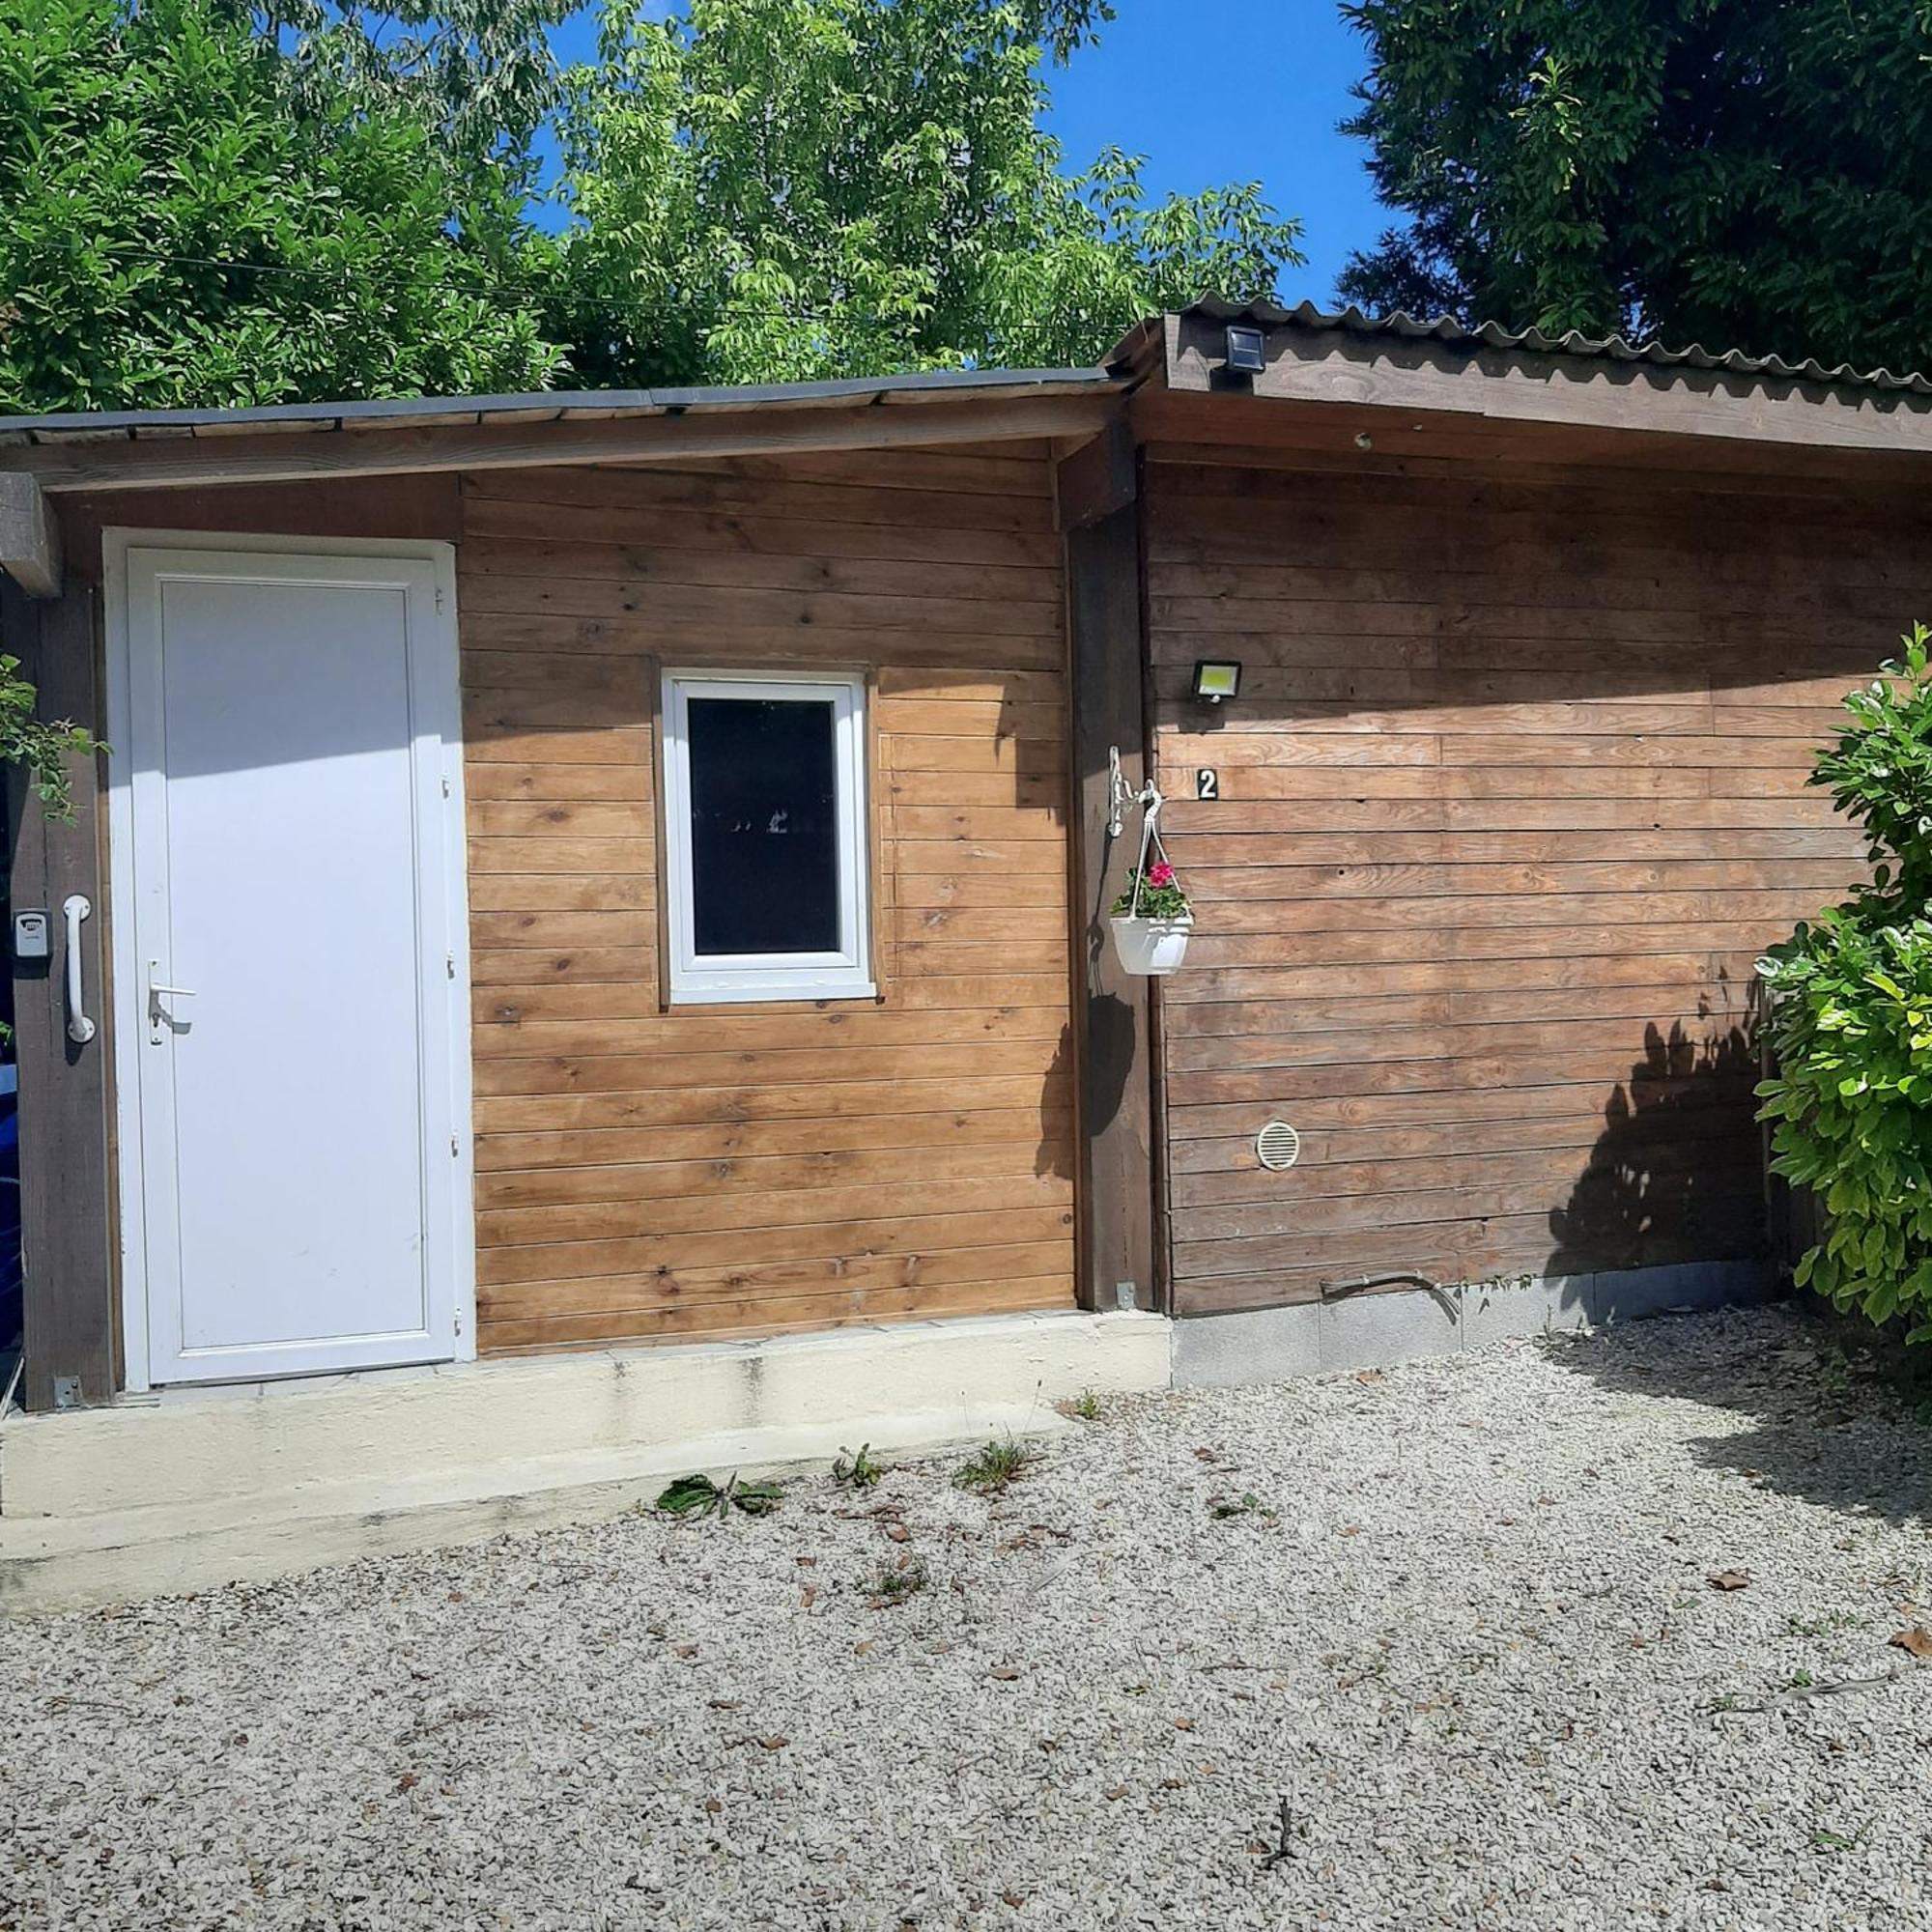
843, 973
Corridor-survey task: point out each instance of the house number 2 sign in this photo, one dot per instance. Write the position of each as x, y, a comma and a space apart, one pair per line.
1207, 783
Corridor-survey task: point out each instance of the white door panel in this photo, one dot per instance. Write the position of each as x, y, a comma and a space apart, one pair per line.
289, 728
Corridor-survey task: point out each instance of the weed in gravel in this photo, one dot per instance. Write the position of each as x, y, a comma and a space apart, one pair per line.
995, 1467
891, 1583
1365, 1670
1824, 1840
858, 1471
1082, 1408
1247, 1503
1823, 1625
698, 1497
1834, 1371
1285, 1847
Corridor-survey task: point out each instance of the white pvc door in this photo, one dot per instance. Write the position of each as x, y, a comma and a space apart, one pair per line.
290, 978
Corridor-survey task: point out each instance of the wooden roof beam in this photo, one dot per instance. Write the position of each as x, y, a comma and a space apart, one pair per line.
1099, 476
294, 456
30, 546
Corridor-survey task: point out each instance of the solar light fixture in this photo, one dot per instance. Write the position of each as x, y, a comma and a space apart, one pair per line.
1214, 682
1247, 350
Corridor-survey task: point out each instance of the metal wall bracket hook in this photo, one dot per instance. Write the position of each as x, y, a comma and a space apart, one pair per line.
1121, 794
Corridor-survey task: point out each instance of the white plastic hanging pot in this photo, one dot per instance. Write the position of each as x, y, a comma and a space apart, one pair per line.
1151, 946
1146, 944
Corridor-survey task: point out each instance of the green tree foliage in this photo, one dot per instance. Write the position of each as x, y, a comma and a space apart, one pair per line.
193, 217
43, 746
481, 70
1852, 1018
1737, 173
783, 189
213, 202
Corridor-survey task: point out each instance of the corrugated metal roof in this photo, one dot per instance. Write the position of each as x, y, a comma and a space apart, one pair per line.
588, 405
1604, 348
544, 406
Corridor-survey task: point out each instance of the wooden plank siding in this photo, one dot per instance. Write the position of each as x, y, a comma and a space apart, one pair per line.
72, 1329
1511, 799
644, 1173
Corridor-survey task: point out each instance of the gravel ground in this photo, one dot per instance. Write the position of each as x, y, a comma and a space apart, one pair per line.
1465, 1633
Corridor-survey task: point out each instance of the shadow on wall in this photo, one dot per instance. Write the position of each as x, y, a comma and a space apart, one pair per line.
1057, 1155
1676, 1176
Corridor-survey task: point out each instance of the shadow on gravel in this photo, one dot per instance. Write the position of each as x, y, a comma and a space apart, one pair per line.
1835, 1418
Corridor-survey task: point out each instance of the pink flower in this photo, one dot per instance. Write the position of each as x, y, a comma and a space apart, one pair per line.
1160, 873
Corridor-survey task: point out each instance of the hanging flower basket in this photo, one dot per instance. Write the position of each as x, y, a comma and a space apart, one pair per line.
1152, 946
1152, 920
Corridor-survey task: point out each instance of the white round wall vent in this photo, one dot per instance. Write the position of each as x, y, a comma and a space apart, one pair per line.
1277, 1147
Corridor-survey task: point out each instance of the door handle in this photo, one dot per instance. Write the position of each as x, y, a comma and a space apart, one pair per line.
79, 1027
157, 1016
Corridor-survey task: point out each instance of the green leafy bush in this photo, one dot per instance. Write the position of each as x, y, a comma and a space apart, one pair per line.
1851, 1018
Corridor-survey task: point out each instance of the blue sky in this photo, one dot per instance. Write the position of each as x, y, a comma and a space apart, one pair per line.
1212, 94
1249, 92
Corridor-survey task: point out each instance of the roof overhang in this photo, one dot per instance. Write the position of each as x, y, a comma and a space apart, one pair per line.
160, 448
1418, 388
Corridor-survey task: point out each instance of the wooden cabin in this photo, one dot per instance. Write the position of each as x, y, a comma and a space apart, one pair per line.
587, 949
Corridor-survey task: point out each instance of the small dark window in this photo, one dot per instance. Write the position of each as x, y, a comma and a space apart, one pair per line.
764, 826
766, 847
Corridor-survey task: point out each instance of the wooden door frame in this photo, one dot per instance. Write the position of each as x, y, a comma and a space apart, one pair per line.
125, 1002
71, 1351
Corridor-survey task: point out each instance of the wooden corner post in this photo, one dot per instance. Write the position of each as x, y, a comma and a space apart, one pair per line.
61, 1043
1099, 497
